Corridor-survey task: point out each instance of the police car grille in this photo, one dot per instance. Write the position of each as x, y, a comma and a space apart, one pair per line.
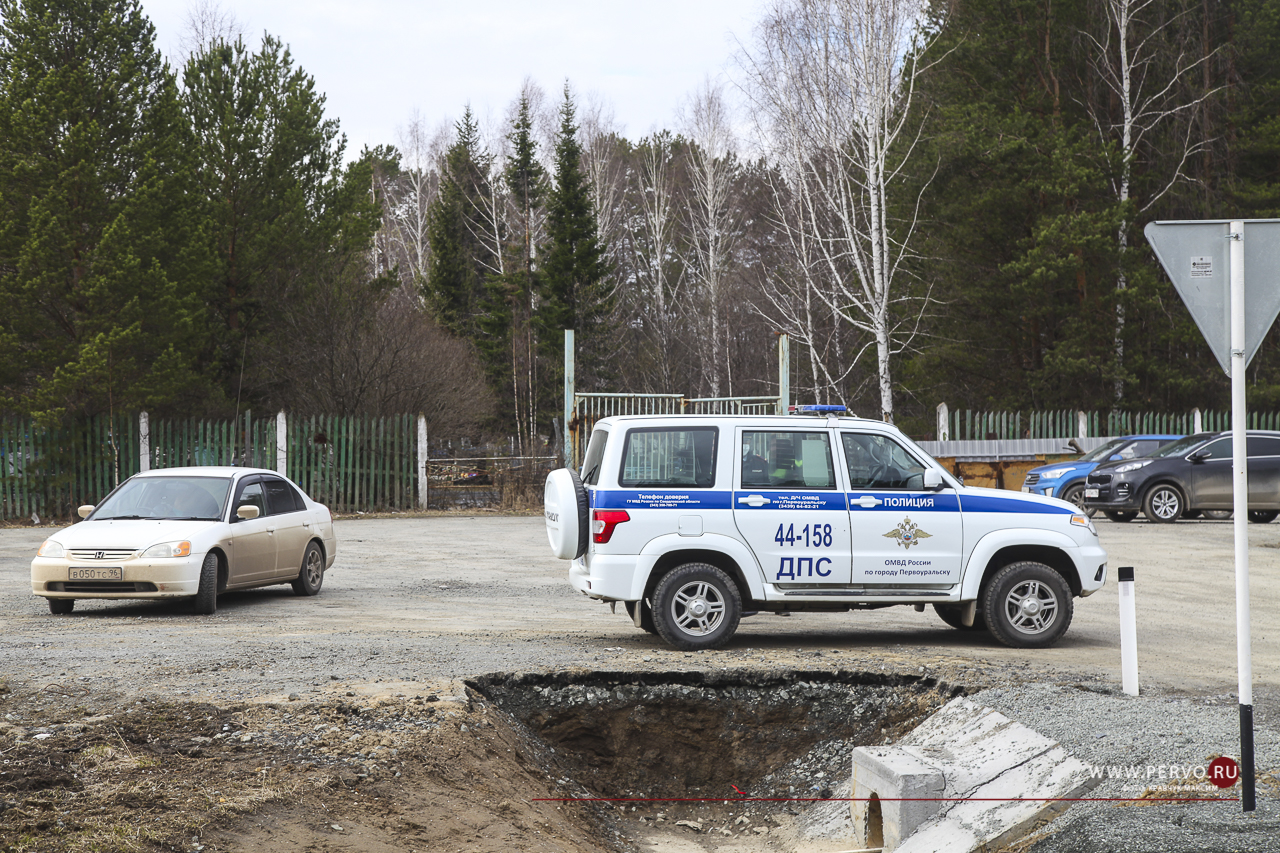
1032, 479
102, 554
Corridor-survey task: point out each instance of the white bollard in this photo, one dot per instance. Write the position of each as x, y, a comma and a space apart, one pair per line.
1128, 633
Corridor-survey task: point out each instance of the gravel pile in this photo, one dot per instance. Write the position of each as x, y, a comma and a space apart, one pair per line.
1108, 729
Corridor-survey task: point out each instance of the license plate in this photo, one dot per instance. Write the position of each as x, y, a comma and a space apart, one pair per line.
97, 573
1090, 493
1026, 488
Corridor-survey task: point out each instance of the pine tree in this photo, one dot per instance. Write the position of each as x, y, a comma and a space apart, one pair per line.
99, 263
574, 292
455, 277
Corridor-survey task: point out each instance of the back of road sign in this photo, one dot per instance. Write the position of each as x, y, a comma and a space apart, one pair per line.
1196, 255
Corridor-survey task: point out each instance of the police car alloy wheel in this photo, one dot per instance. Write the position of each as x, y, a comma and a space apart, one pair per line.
696, 606
1027, 605
565, 511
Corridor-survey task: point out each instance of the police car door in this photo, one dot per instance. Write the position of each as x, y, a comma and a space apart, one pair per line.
789, 507
902, 535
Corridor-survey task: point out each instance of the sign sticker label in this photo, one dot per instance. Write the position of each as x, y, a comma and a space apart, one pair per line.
1202, 266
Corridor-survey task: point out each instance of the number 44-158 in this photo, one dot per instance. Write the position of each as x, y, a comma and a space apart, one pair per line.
809, 536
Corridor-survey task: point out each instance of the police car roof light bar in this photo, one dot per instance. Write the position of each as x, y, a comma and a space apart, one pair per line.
817, 410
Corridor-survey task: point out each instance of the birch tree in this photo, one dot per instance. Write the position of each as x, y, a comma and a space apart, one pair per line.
1131, 58
714, 220
654, 247
832, 85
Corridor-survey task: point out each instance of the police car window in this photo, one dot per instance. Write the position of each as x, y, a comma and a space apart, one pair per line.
681, 458
879, 462
595, 452
787, 460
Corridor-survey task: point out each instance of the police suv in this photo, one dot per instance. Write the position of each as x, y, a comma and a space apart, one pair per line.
696, 521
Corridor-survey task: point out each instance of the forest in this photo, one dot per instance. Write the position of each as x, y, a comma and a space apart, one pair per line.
936, 201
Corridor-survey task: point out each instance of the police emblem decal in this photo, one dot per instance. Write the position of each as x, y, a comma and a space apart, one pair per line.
907, 534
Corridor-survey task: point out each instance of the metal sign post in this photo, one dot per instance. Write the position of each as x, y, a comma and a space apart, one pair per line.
1233, 321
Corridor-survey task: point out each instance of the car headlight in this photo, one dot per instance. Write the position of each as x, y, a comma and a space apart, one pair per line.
1132, 466
169, 549
51, 549
1055, 473
1085, 522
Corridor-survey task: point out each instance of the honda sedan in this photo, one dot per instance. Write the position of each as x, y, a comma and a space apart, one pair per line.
188, 533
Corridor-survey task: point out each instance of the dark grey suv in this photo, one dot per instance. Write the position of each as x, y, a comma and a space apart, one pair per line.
1187, 478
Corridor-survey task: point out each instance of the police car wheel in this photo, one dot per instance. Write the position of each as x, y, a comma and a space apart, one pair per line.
1027, 605
951, 614
696, 606
646, 615
1163, 504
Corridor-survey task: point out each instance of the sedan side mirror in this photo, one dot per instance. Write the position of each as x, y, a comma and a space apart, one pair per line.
1200, 455
247, 511
932, 479
84, 511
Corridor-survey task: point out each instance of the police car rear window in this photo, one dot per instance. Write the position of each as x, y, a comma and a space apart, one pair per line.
680, 458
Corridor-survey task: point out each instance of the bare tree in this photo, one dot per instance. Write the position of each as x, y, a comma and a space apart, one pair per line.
207, 23
406, 201
1127, 59
654, 248
832, 85
714, 219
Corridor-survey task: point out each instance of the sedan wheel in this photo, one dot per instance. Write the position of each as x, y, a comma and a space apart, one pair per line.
1075, 494
1262, 516
311, 575
1120, 517
1163, 504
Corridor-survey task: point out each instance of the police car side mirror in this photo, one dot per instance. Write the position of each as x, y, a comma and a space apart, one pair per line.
932, 480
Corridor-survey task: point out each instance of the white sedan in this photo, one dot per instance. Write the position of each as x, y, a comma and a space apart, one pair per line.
188, 533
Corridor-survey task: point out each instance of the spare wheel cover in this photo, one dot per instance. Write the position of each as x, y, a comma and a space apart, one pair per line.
565, 512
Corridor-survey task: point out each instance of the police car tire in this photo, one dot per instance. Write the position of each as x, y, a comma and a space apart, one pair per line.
1163, 504
1027, 630
646, 615
950, 613
703, 581
565, 492
206, 601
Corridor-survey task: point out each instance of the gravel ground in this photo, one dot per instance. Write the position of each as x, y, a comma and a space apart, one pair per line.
415, 606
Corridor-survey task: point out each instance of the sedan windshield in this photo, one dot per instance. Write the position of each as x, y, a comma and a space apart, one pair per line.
185, 498
1102, 452
1183, 445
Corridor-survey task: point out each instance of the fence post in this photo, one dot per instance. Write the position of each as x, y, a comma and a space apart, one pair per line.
1196, 421
570, 452
784, 374
422, 462
144, 442
282, 443
944, 426
1082, 425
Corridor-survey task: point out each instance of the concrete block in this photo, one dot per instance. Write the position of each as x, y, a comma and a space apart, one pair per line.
966, 778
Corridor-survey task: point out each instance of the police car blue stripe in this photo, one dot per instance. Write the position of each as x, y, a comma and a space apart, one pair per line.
656, 499
985, 503
897, 502
791, 500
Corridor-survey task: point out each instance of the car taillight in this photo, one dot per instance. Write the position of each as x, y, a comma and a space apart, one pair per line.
604, 520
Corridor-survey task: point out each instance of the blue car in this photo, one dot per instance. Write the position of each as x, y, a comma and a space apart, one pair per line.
1066, 479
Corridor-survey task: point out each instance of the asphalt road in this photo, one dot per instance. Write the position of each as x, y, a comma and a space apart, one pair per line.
423, 599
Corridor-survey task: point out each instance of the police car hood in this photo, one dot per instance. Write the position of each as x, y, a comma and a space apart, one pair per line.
1008, 501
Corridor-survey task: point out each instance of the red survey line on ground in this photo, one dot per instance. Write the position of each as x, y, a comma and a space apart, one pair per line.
886, 799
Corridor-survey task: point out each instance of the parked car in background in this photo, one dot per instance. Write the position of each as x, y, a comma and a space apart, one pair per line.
1188, 477
1066, 480
188, 533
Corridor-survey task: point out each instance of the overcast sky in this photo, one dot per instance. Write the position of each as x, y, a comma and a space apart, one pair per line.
378, 61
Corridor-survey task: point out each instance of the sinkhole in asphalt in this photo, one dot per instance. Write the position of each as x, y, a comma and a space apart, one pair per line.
709, 735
